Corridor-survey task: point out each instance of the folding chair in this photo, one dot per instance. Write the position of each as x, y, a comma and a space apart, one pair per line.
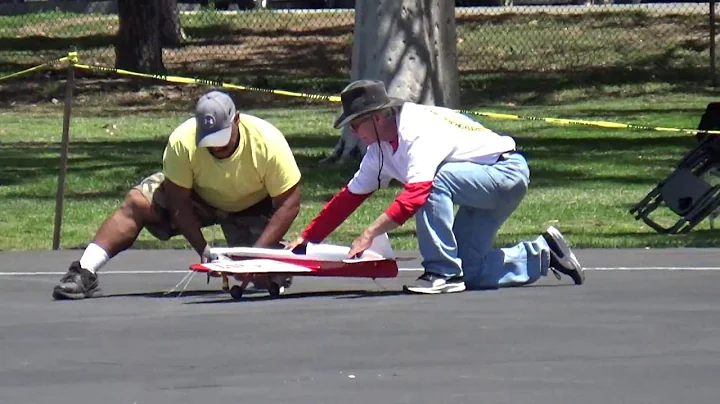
686, 191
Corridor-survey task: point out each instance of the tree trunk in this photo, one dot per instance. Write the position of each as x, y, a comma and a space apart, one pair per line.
410, 45
171, 32
139, 46
347, 147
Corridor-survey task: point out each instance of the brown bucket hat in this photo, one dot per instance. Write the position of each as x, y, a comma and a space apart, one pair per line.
362, 97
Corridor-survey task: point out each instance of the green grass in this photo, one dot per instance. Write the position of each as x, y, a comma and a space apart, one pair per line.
631, 67
584, 179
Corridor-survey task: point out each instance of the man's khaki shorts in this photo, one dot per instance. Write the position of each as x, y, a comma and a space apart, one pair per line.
241, 229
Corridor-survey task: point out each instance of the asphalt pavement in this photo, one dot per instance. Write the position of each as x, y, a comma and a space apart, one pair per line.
643, 329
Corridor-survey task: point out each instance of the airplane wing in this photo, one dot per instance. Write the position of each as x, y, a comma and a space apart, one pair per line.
367, 256
251, 266
379, 250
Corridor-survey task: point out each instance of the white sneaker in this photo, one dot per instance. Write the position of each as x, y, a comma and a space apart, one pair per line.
429, 283
562, 258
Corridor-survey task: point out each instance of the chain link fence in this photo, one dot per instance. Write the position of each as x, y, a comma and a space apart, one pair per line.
310, 41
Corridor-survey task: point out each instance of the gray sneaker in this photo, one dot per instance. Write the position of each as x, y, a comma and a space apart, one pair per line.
77, 283
429, 283
562, 258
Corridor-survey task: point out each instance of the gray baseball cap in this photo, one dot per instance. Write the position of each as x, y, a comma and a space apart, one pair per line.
214, 114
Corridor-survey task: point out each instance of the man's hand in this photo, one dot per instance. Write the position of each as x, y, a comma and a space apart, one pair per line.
287, 207
292, 245
382, 224
183, 214
360, 244
207, 256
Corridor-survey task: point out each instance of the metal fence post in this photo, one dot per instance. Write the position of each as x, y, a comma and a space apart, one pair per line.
712, 43
59, 196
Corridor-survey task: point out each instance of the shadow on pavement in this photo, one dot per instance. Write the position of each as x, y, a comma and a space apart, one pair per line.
338, 294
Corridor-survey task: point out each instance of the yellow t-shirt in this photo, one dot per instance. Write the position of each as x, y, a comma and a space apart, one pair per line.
263, 165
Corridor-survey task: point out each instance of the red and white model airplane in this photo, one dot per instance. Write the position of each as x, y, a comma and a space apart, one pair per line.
244, 263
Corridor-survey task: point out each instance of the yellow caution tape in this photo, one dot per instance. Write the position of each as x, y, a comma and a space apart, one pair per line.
215, 83
599, 124
32, 69
73, 59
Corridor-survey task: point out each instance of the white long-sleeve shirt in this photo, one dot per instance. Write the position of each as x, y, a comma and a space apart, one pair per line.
428, 136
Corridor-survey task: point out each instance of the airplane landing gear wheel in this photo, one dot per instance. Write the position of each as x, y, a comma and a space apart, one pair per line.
275, 290
236, 292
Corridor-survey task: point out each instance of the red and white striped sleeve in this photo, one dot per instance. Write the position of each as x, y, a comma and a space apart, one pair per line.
333, 214
409, 201
365, 179
425, 153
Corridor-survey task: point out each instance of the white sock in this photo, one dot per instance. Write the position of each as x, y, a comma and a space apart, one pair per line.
93, 258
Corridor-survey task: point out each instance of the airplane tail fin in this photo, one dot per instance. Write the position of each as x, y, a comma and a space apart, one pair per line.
380, 249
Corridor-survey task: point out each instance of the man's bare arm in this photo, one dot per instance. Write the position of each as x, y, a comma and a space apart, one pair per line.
287, 207
183, 215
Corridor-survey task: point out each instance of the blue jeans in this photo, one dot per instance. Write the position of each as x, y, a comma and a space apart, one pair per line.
454, 246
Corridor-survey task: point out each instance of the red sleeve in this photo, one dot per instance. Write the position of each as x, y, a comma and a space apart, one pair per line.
333, 214
409, 201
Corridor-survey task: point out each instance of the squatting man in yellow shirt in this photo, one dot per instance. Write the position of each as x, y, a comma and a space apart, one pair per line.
219, 167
